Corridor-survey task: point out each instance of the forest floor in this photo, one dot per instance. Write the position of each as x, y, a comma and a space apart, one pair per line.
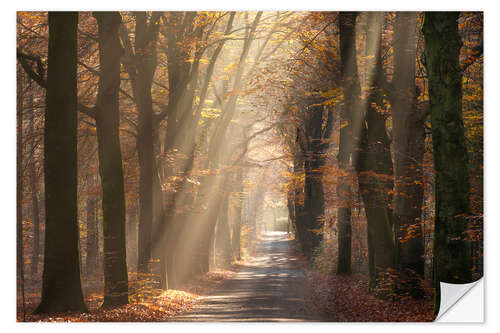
274, 284
147, 303
269, 287
346, 299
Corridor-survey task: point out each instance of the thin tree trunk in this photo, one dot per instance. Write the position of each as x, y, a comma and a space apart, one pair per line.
35, 207
223, 231
131, 233
19, 194
182, 127
300, 230
236, 235
145, 151
291, 209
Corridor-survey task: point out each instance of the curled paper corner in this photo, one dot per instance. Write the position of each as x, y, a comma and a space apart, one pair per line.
462, 302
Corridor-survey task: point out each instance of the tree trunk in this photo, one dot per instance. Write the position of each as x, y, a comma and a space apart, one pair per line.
61, 286
203, 225
298, 170
352, 90
452, 252
35, 207
110, 161
344, 239
145, 152
180, 143
142, 72
159, 240
223, 231
317, 132
313, 205
19, 195
131, 233
374, 163
237, 198
408, 133
181, 135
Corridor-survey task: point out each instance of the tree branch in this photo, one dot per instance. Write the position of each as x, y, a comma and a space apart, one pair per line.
38, 77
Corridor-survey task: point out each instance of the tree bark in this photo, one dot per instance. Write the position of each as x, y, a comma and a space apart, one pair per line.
314, 202
408, 133
352, 91
145, 152
179, 142
110, 161
19, 195
61, 286
373, 162
141, 67
317, 127
452, 250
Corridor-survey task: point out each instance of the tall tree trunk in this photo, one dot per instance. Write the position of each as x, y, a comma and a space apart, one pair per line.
408, 133
176, 142
352, 91
61, 286
300, 230
19, 194
217, 150
141, 67
237, 199
182, 126
110, 161
223, 235
159, 239
314, 144
35, 207
145, 152
374, 163
291, 208
203, 226
131, 233
452, 251
313, 204
210, 217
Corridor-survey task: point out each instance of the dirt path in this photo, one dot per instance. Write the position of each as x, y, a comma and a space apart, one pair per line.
270, 288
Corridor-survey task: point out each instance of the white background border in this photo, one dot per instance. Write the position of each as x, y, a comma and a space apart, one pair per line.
8, 127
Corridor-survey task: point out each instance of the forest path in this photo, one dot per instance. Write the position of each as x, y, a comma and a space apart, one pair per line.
271, 287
